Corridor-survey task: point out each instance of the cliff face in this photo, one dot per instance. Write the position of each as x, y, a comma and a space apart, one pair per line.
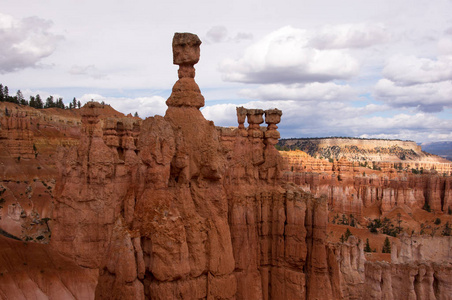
351, 188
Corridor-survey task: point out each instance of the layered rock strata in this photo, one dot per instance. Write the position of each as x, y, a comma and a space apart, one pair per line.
351, 188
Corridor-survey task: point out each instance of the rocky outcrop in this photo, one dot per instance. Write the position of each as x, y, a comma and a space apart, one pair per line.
422, 248
408, 281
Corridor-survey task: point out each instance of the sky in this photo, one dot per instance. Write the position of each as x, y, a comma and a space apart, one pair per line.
369, 69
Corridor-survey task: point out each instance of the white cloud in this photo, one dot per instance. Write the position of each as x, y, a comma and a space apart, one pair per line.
90, 71
24, 42
328, 91
221, 114
220, 34
409, 70
428, 97
349, 36
285, 56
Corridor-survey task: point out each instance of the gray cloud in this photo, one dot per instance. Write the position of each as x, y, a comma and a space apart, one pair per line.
242, 36
220, 34
217, 34
410, 70
349, 36
24, 42
427, 97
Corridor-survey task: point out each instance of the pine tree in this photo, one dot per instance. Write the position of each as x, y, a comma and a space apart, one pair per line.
74, 103
19, 97
352, 220
6, 93
136, 114
367, 246
386, 246
32, 102
79, 104
59, 103
1, 93
347, 234
49, 102
39, 103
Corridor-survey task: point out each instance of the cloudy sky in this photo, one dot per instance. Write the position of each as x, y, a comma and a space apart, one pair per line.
357, 68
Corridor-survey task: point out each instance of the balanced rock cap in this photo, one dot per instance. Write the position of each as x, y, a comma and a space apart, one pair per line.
186, 49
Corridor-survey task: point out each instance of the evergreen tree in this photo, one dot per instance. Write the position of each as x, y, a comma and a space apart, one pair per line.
19, 97
1, 93
347, 234
79, 104
70, 105
59, 103
32, 102
136, 114
39, 103
49, 102
6, 93
367, 246
74, 103
386, 246
352, 220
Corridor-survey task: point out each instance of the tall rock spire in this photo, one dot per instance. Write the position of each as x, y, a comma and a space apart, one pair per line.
186, 54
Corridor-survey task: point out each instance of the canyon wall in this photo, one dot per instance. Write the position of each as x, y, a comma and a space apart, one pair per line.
350, 188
